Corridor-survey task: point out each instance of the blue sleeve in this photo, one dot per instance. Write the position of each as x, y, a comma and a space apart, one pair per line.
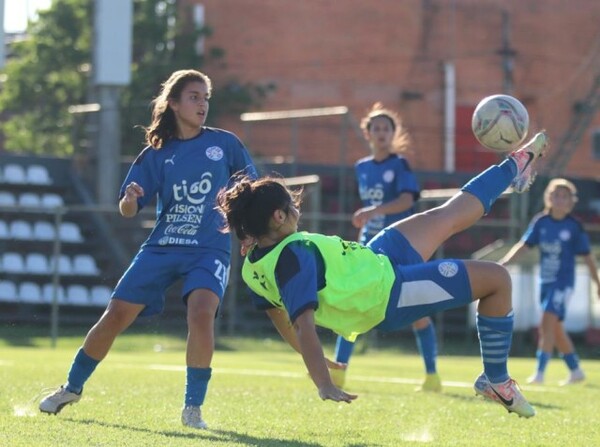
296, 274
240, 160
582, 244
144, 172
406, 181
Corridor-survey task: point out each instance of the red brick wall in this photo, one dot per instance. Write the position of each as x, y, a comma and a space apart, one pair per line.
322, 53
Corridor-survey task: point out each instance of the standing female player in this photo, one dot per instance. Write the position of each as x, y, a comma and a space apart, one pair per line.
560, 239
388, 190
184, 165
305, 279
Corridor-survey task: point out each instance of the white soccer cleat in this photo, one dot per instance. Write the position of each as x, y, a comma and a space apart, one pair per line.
536, 379
191, 416
506, 394
525, 157
56, 401
575, 376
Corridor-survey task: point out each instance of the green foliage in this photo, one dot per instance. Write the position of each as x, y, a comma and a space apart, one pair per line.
50, 70
47, 72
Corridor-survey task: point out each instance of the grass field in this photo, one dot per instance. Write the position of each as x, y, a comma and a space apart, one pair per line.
261, 396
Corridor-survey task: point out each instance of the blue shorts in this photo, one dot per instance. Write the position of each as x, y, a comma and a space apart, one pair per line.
151, 273
555, 299
421, 288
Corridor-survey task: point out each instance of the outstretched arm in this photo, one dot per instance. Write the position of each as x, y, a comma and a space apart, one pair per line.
514, 253
282, 323
591, 263
314, 359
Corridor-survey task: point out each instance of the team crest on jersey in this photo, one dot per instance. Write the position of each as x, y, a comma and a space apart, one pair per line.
564, 235
448, 268
388, 176
215, 153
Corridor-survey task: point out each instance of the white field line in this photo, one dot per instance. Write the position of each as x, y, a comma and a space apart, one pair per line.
353, 378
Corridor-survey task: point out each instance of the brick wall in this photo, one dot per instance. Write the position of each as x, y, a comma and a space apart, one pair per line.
322, 53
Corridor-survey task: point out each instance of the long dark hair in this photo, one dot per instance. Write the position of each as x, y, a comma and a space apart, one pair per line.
164, 125
248, 205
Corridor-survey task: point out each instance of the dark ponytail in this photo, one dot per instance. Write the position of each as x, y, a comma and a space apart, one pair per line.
248, 205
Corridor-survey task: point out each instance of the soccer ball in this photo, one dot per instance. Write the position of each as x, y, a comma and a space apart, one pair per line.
500, 123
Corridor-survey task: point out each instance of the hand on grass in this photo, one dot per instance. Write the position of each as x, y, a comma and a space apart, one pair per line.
331, 392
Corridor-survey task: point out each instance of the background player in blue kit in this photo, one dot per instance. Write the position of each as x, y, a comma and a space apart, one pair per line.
305, 279
388, 190
184, 167
560, 238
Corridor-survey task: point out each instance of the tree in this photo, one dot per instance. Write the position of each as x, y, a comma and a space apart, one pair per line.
46, 72
51, 70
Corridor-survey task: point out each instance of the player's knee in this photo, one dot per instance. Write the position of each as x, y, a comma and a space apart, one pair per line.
202, 307
503, 277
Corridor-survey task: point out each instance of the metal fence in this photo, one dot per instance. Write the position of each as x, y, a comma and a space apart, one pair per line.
112, 241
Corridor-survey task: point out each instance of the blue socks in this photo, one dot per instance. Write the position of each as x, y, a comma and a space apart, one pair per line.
343, 350
196, 385
492, 182
542, 360
571, 360
495, 337
81, 369
83, 366
427, 345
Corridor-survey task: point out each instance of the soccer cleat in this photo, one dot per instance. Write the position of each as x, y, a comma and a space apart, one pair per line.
56, 401
525, 158
575, 376
432, 383
506, 394
338, 377
536, 379
483, 388
191, 416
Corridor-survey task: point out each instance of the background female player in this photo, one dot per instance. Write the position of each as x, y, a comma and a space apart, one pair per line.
311, 279
560, 238
388, 190
185, 165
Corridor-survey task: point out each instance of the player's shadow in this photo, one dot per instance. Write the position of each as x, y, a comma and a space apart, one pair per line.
205, 435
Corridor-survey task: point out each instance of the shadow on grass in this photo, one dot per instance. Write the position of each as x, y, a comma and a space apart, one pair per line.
205, 435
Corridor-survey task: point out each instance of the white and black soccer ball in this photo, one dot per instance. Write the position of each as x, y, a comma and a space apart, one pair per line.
500, 123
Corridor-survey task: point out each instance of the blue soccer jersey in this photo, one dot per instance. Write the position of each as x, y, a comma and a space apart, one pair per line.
381, 182
559, 241
185, 177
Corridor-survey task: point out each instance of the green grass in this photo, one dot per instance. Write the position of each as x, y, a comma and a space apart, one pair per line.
261, 396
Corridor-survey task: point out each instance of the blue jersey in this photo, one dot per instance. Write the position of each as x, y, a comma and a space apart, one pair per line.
381, 182
559, 241
185, 177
